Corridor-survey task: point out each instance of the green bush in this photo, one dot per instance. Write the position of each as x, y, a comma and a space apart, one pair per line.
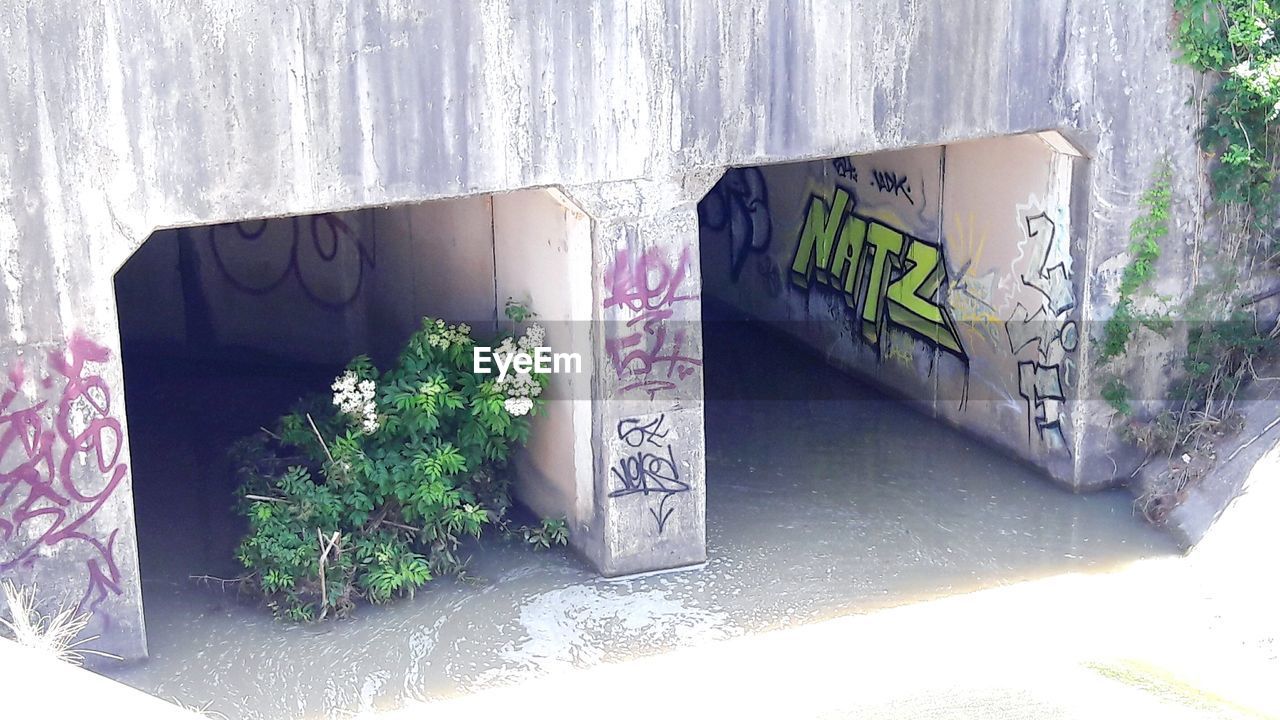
1237, 41
368, 492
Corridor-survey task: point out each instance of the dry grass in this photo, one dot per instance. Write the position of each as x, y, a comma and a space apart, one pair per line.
56, 635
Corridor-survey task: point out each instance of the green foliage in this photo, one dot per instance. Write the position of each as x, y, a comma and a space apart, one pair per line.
1237, 41
550, 532
516, 311
368, 493
1146, 233
1118, 329
1116, 393
1219, 357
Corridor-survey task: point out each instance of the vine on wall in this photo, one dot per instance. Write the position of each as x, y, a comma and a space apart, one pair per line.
1236, 43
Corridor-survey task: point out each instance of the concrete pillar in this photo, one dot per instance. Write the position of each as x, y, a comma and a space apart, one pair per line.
649, 510
66, 505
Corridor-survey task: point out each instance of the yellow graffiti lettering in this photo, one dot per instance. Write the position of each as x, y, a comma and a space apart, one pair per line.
883, 243
847, 262
910, 297
893, 277
817, 237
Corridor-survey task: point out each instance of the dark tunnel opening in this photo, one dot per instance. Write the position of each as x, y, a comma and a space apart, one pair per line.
863, 416
223, 329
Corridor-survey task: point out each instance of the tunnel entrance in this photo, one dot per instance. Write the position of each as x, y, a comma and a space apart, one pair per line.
225, 327
889, 346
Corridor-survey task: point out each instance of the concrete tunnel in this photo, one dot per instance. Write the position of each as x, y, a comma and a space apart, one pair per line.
944, 275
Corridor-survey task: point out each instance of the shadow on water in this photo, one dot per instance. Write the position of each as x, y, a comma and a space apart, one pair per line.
870, 502
815, 509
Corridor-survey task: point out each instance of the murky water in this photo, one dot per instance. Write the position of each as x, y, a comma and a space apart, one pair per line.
815, 509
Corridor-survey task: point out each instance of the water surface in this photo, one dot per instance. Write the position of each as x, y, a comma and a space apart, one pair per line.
814, 509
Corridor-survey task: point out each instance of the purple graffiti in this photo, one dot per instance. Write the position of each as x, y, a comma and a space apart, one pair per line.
649, 356
41, 489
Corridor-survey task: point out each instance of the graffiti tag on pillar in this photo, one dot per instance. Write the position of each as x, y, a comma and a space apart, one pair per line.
739, 205
59, 464
647, 353
650, 468
886, 276
1043, 336
318, 247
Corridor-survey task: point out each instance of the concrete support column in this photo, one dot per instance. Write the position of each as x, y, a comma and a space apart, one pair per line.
649, 510
66, 505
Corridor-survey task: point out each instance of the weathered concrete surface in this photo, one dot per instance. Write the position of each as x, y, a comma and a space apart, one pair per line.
947, 274
650, 467
120, 119
542, 257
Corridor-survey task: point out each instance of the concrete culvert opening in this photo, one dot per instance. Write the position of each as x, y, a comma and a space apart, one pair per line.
890, 343
223, 328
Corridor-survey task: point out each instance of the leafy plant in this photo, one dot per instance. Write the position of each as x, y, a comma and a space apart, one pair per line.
1146, 233
368, 494
549, 532
1235, 43
1236, 40
1116, 393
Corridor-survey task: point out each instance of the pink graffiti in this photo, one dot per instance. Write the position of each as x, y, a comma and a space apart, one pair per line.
43, 493
648, 355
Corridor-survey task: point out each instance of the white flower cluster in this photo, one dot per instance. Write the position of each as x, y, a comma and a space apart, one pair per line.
1263, 80
354, 397
442, 336
520, 387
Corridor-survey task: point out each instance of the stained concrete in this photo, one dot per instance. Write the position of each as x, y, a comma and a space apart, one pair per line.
978, 322
815, 511
121, 119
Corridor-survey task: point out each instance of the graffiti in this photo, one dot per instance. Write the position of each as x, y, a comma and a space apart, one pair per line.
61, 464
1052, 264
650, 356
650, 469
893, 277
739, 204
888, 181
1044, 337
971, 294
845, 168
637, 433
329, 246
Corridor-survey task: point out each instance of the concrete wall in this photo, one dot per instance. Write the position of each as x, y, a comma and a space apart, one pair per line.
943, 273
542, 243
314, 288
120, 119
290, 287
436, 258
